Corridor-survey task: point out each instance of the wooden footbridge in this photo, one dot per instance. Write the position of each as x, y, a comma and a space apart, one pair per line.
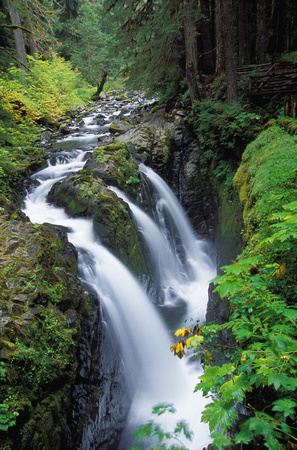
268, 80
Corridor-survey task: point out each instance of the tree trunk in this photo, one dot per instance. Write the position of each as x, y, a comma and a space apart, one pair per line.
18, 35
261, 31
100, 85
243, 36
71, 7
229, 50
220, 63
278, 26
191, 51
30, 39
208, 60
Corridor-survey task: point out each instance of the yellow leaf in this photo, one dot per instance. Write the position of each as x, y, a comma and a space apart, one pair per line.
195, 341
280, 272
178, 349
183, 332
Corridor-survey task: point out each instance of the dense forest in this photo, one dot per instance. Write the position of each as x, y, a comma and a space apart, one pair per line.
231, 66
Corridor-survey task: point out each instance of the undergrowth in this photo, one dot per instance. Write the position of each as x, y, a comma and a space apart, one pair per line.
49, 90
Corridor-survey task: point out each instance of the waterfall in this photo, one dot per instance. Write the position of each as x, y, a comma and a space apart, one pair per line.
140, 327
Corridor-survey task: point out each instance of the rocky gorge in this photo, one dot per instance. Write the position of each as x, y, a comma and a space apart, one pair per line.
59, 373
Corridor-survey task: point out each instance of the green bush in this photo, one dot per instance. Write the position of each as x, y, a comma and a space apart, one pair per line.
45, 350
48, 91
224, 130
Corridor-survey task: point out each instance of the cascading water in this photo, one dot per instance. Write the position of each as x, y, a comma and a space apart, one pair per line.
152, 373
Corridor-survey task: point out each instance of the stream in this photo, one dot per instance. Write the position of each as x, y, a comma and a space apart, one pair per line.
143, 327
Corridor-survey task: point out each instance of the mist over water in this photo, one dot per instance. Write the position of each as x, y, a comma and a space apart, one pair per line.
142, 326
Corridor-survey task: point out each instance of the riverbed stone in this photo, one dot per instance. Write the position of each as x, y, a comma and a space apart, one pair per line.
120, 127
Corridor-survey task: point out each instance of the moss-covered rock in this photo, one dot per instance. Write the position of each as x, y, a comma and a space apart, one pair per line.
84, 193
266, 182
42, 307
150, 141
114, 165
120, 127
266, 178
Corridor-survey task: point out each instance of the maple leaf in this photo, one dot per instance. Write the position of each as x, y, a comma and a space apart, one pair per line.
183, 332
178, 349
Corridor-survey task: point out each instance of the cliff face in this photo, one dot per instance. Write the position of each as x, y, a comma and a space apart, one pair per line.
43, 308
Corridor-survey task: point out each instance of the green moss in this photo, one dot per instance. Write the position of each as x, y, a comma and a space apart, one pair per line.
289, 124
115, 166
266, 178
267, 182
118, 232
86, 193
115, 127
110, 148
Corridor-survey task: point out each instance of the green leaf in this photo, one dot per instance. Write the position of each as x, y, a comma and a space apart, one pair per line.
220, 440
163, 408
182, 427
157, 431
219, 414
213, 377
290, 314
244, 436
285, 406
235, 388
144, 430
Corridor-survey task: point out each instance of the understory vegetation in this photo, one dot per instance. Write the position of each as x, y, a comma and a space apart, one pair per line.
49, 90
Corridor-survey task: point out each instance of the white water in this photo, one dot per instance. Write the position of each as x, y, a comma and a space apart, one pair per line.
153, 373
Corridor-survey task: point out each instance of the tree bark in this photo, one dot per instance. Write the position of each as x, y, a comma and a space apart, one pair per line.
229, 50
30, 39
208, 59
243, 36
18, 35
191, 51
261, 31
220, 63
100, 85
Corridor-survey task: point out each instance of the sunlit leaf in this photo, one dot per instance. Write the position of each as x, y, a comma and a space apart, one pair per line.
183, 332
194, 341
281, 271
178, 349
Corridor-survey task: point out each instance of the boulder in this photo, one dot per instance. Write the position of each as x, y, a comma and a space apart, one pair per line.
86, 194
119, 127
150, 141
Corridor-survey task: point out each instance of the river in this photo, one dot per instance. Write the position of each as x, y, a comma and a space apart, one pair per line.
143, 326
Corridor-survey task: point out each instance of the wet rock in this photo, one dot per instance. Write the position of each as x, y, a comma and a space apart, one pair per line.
64, 128
37, 346
119, 127
114, 165
87, 194
151, 141
46, 137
